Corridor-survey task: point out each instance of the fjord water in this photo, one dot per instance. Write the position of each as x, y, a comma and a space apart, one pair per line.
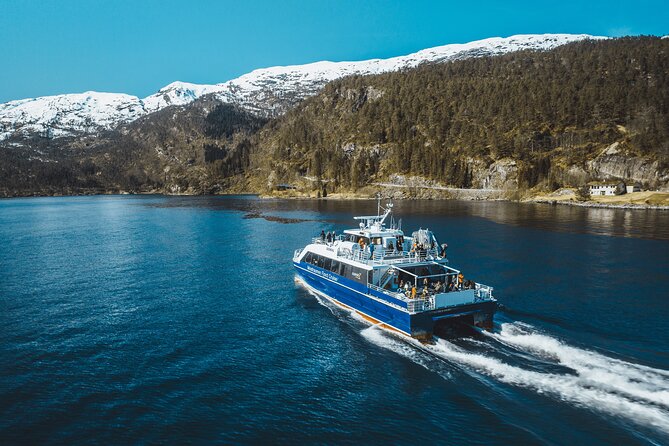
178, 320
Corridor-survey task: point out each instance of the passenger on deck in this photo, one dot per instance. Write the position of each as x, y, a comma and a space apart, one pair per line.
329, 237
426, 282
425, 293
461, 279
334, 236
391, 247
444, 247
322, 235
437, 287
413, 292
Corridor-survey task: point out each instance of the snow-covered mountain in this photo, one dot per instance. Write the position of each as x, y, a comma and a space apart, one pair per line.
267, 91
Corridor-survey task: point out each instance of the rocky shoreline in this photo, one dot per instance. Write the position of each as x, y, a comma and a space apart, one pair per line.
593, 204
397, 193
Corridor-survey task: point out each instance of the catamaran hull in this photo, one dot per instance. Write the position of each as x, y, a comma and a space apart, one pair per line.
356, 297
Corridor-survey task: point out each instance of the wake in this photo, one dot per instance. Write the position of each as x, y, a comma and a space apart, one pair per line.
622, 389
634, 380
618, 388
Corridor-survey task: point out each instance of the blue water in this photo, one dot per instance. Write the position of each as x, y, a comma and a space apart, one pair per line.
177, 320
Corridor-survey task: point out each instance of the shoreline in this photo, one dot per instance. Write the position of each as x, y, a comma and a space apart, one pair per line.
595, 204
471, 195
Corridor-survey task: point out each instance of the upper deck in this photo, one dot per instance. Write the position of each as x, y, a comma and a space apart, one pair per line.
375, 244
343, 248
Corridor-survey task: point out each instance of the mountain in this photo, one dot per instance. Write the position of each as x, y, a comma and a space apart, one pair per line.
591, 109
265, 92
585, 111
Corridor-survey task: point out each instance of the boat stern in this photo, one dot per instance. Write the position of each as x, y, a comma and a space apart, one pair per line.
474, 307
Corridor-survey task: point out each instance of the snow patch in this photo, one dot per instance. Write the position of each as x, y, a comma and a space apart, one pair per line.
266, 91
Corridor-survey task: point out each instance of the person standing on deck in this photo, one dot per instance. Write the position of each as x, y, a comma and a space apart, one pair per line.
322, 235
413, 292
461, 279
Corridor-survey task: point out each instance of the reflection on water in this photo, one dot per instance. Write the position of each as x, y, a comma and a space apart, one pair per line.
648, 224
652, 224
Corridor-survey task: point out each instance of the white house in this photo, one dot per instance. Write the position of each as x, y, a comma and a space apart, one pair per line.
607, 188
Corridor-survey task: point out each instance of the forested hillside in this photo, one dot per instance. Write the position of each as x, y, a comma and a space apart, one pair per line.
524, 119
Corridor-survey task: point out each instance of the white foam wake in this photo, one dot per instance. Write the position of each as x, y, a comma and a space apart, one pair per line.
592, 392
565, 387
593, 369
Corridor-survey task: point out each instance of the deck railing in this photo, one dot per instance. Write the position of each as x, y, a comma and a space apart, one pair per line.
389, 256
412, 305
419, 304
381, 256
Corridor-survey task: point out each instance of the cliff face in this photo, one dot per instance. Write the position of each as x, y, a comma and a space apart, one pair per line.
614, 164
501, 174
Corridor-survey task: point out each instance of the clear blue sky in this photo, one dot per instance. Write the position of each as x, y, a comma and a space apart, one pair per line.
138, 46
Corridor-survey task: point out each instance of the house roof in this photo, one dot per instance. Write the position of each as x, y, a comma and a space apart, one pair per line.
610, 183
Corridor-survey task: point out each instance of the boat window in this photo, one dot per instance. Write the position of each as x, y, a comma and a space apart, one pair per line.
307, 257
334, 266
346, 271
326, 262
353, 273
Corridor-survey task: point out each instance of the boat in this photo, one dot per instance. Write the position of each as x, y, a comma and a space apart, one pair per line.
401, 283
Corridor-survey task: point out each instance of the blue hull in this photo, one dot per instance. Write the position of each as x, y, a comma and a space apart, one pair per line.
380, 308
354, 295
